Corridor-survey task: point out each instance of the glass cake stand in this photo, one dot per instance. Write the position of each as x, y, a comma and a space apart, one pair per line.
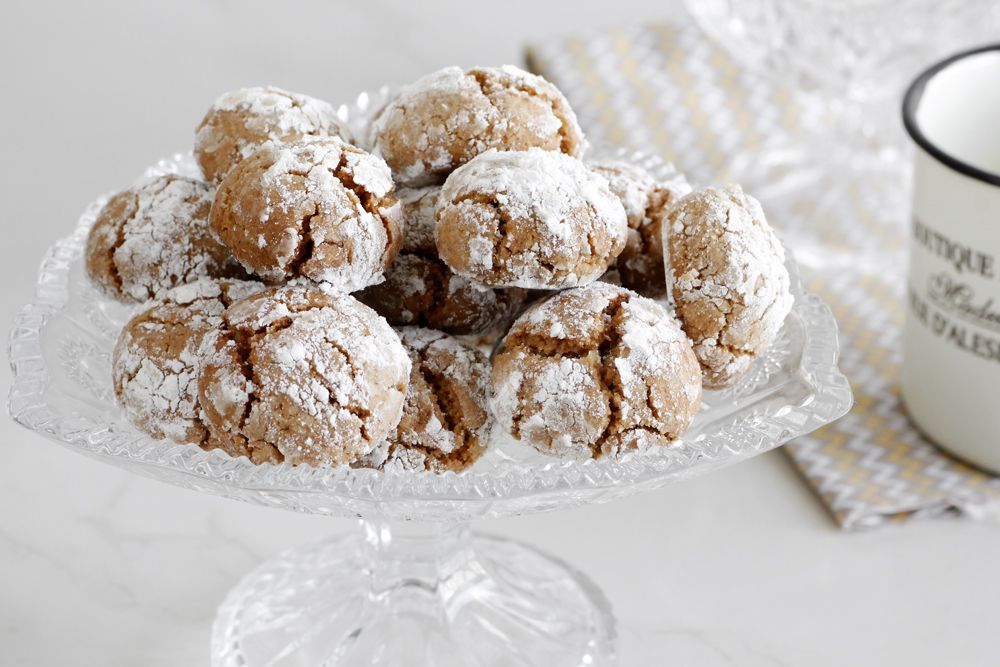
414, 586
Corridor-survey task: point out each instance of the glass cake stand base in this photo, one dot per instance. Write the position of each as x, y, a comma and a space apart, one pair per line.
414, 594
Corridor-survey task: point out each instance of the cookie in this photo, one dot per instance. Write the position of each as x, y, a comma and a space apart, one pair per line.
646, 202
729, 281
595, 371
155, 236
420, 289
534, 219
303, 375
446, 419
317, 208
158, 356
446, 118
241, 122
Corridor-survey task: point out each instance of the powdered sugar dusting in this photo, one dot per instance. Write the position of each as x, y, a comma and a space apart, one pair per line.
558, 202
538, 184
158, 356
419, 206
369, 172
432, 142
565, 390
317, 193
445, 418
655, 344
423, 144
594, 371
328, 375
729, 279
634, 186
167, 240
269, 115
630, 183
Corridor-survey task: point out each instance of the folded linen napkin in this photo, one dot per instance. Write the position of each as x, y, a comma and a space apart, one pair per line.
668, 89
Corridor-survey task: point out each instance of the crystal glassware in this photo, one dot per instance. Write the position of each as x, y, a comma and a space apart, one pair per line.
414, 586
845, 62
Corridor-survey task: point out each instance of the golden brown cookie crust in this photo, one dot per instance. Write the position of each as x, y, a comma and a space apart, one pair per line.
317, 208
448, 117
446, 420
155, 236
595, 371
419, 206
730, 284
158, 356
303, 375
420, 289
241, 122
646, 202
533, 219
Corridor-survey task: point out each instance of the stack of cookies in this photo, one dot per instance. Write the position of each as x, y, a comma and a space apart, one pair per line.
314, 300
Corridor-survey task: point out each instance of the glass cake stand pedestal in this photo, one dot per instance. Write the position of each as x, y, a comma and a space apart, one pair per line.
414, 586
414, 594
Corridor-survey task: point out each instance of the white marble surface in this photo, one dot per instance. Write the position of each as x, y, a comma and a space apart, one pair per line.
98, 567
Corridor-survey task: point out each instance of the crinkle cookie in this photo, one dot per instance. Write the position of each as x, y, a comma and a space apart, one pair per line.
155, 236
595, 371
317, 208
303, 375
158, 357
420, 289
448, 117
446, 420
646, 202
534, 219
729, 281
241, 122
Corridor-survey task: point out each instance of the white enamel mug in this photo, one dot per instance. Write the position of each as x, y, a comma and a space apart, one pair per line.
951, 340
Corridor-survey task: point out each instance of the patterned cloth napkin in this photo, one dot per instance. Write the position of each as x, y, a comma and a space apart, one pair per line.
668, 89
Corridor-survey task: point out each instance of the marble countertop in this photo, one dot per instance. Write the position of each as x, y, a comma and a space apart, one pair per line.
100, 567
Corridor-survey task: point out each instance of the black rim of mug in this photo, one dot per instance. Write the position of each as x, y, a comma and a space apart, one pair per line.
911, 100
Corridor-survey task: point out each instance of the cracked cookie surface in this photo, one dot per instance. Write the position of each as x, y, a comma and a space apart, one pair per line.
420, 289
646, 202
446, 118
303, 375
158, 356
446, 420
241, 122
155, 236
317, 208
729, 281
534, 219
595, 371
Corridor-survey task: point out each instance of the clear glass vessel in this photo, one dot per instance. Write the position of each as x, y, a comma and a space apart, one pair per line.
847, 63
414, 586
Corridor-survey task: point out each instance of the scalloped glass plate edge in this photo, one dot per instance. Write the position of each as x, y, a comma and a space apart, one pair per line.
215, 472
507, 487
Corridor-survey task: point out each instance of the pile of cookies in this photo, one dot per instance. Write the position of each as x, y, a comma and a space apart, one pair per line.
457, 277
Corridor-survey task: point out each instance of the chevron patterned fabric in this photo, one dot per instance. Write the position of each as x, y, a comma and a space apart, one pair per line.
668, 89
